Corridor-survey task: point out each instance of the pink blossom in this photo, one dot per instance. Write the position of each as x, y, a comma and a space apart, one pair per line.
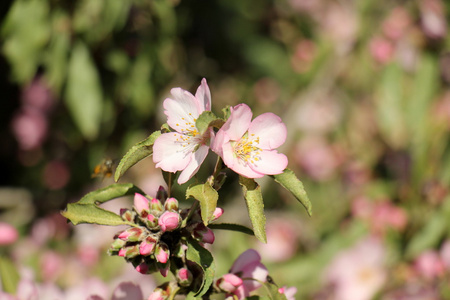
248, 147
429, 264
141, 203
169, 221
445, 254
358, 272
282, 240
185, 149
8, 234
288, 292
229, 282
249, 268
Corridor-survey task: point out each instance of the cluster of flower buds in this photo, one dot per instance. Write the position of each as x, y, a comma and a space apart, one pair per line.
157, 241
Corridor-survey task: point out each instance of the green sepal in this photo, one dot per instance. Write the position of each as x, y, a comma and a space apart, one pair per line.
87, 211
206, 120
207, 196
226, 112
9, 276
138, 152
255, 206
205, 260
290, 182
232, 227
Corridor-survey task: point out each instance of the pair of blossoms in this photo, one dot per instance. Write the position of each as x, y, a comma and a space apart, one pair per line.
247, 147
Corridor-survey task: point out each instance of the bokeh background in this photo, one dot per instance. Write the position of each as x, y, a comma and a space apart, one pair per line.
363, 87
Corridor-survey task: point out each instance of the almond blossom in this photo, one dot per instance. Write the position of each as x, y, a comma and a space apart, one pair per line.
185, 149
248, 147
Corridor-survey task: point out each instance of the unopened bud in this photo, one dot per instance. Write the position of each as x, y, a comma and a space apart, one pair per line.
171, 204
161, 194
162, 253
129, 251
204, 234
147, 246
142, 268
141, 204
229, 283
156, 206
217, 213
169, 221
158, 294
164, 269
184, 277
127, 215
133, 234
117, 244
152, 222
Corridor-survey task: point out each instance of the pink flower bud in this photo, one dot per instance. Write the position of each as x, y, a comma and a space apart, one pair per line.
217, 213
142, 268
156, 206
162, 253
141, 203
288, 292
117, 244
204, 234
184, 277
169, 221
161, 194
122, 252
152, 221
147, 246
133, 234
171, 204
229, 283
158, 294
8, 234
127, 215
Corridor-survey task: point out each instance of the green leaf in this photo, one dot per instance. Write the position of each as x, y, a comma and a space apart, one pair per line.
8, 275
232, 227
84, 93
110, 192
89, 213
204, 259
255, 206
138, 152
289, 181
207, 196
207, 119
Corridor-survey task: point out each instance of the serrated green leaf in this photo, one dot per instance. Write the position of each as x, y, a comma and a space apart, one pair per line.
232, 227
204, 259
90, 213
289, 181
207, 196
138, 152
8, 275
255, 206
110, 192
84, 97
207, 119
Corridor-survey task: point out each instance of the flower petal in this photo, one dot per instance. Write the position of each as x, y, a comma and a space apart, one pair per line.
191, 169
236, 164
238, 122
270, 129
182, 110
203, 95
270, 162
246, 258
170, 153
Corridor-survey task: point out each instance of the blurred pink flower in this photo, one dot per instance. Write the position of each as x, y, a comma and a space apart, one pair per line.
396, 24
249, 147
8, 234
288, 292
51, 265
30, 129
317, 158
381, 49
184, 150
282, 240
319, 115
433, 18
248, 267
37, 95
303, 56
358, 273
266, 90
429, 265
445, 254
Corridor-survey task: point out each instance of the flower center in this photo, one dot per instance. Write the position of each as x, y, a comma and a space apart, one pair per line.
189, 127
247, 150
